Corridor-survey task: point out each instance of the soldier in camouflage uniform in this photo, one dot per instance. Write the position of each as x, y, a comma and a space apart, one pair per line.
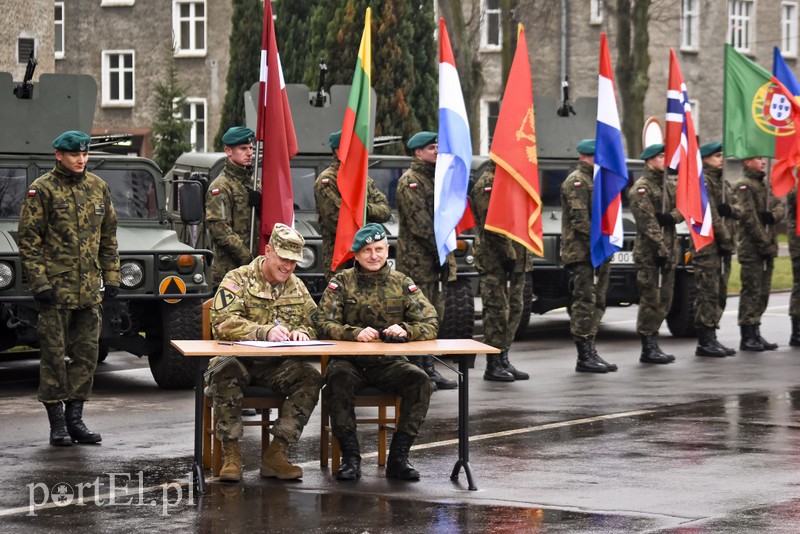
265, 301
655, 251
794, 252
503, 265
416, 243
68, 249
758, 211
589, 284
229, 203
327, 199
365, 303
712, 263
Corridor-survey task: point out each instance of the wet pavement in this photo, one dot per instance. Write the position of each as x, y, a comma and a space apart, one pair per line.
703, 445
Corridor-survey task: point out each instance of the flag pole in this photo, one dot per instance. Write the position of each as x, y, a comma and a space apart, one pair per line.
253, 233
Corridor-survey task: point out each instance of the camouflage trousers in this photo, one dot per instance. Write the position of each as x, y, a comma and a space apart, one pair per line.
502, 298
298, 381
69, 334
588, 299
346, 376
435, 294
711, 274
654, 301
794, 300
756, 279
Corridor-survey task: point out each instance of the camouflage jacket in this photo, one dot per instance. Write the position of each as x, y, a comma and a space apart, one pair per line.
228, 219
723, 226
755, 239
355, 299
791, 223
576, 215
416, 242
652, 240
491, 248
246, 307
328, 200
68, 237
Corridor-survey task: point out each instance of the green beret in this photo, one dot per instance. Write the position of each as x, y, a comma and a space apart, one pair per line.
238, 135
710, 148
287, 242
368, 233
421, 139
72, 141
586, 147
334, 138
652, 151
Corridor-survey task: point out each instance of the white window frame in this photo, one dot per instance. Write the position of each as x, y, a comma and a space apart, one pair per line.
741, 24
695, 113
596, 12
690, 25
193, 19
122, 102
484, 123
193, 103
117, 3
58, 23
486, 14
789, 29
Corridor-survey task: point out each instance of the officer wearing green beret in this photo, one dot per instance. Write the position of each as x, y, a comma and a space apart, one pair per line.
328, 199
68, 249
364, 303
230, 200
655, 251
416, 241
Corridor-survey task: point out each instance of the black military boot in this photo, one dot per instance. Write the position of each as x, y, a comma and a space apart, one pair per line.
610, 366
588, 361
750, 341
767, 345
397, 465
58, 426
706, 345
495, 370
516, 373
440, 381
77, 430
794, 340
652, 353
351, 458
728, 351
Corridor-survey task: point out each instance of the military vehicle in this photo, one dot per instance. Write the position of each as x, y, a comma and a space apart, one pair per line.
163, 281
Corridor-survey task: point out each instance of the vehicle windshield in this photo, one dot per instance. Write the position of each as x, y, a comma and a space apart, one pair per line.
12, 192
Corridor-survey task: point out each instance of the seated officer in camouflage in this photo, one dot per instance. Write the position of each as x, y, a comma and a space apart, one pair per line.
328, 198
364, 303
264, 301
68, 249
230, 201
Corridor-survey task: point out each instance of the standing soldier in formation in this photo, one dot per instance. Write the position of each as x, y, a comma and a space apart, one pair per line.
365, 303
503, 265
712, 263
756, 247
794, 252
328, 199
655, 251
229, 202
416, 243
264, 301
68, 249
589, 284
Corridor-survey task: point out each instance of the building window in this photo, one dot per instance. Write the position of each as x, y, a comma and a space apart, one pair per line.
194, 112
690, 22
596, 15
59, 30
189, 27
118, 78
789, 29
26, 49
491, 30
490, 109
695, 104
740, 24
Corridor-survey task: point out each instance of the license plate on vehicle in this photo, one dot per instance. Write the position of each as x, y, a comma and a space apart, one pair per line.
624, 257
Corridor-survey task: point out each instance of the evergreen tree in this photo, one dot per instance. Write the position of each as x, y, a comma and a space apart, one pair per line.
170, 131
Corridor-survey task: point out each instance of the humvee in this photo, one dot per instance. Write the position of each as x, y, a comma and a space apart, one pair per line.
162, 279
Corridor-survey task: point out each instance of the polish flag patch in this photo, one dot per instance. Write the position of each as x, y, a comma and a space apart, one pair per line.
412, 288
487, 188
412, 185
641, 190
215, 191
333, 286
326, 181
741, 188
31, 192
577, 184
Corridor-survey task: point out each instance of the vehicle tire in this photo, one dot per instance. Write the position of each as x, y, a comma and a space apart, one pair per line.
102, 353
527, 304
171, 370
459, 311
680, 319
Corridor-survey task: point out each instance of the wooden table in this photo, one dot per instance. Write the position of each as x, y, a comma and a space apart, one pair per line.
441, 347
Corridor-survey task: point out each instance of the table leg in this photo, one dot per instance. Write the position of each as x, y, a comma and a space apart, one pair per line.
463, 424
197, 469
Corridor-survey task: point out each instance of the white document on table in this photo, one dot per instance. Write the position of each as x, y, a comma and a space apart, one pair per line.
273, 344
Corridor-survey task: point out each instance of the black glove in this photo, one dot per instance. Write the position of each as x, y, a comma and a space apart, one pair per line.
767, 217
508, 265
110, 292
724, 210
48, 296
390, 338
661, 261
254, 198
665, 219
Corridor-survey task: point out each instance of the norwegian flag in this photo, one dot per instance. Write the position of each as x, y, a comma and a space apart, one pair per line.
683, 156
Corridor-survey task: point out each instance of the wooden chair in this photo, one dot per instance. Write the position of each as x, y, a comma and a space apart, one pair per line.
366, 397
258, 398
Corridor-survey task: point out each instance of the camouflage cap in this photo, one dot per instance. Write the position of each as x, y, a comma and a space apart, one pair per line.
652, 151
710, 148
421, 139
586, 147
72, 141
334, 138
238, 135
369, 233
287, 242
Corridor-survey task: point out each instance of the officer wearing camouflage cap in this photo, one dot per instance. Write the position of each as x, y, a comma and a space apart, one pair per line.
367, 302
265, 301
68, 249
230, 200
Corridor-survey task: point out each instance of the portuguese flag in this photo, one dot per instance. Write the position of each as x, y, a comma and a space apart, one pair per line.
761, 118
354, 152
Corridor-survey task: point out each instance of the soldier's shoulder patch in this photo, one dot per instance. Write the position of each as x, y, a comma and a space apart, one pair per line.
325, 181
231, 285
333, 286
487, 189
642, 190
215, 191
742, 187
412, 288
577, 183
412, 185
31, 192
223, 298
